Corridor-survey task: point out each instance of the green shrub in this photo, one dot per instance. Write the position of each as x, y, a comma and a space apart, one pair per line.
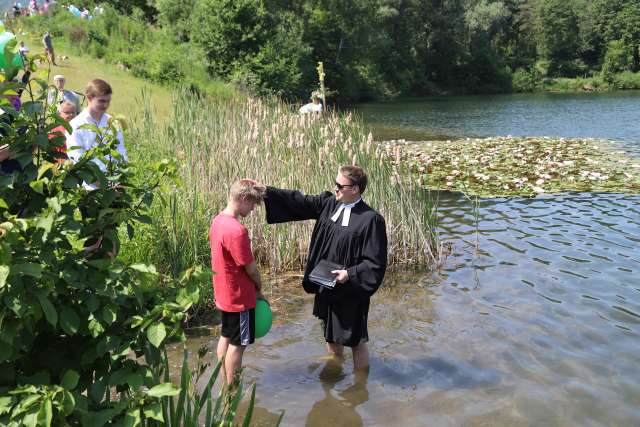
524, 80
617, 59
73, 317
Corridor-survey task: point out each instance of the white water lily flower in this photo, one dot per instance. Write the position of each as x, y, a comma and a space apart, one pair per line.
540, 182
537, 189
449, 183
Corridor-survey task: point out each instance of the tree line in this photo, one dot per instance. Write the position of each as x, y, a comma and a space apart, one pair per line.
374, 49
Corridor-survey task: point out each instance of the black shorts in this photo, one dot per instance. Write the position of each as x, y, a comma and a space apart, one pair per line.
239, 327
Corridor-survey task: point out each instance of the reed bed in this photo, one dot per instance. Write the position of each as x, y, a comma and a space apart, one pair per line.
217, 141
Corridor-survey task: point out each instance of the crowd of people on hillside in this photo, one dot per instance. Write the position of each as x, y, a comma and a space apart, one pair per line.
31, 8
34, 7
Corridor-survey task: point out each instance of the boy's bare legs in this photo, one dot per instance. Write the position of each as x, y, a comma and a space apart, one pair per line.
232, 360
221, 351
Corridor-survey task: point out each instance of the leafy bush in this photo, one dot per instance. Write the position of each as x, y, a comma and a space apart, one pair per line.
80, 327
524, 80
617, 59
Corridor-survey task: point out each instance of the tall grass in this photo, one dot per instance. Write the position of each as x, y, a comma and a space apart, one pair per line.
217, 141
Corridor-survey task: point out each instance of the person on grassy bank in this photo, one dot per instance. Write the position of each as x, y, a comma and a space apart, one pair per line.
98, 94
59, 94
237, 281
348, 233
66, 111
48, 48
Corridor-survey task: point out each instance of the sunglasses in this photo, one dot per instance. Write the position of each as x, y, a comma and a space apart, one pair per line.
342, 186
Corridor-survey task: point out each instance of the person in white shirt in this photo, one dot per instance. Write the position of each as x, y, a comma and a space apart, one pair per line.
315, 106
98, 94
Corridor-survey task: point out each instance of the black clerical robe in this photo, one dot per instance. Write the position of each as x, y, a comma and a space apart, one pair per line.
361, 247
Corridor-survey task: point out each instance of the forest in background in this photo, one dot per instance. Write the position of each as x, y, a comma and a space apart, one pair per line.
371, 49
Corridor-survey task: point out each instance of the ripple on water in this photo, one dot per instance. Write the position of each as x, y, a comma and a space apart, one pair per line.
537, 327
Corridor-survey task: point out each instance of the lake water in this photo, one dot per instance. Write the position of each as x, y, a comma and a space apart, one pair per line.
533, 320
613, 116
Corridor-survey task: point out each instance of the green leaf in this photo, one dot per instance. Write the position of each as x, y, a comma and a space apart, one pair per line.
37, 186
132, 418
135, 380
69, 320
99, 419
154, 412
54, 204
3, 204
108, 315
28, 269
95, 327
156, 333
4, 273
49, 310
6, 403
45, 414
70, 379
44, 168
45, 223
164, 389
67, 404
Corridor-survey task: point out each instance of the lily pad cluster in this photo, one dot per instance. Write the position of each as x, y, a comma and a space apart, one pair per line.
505, 166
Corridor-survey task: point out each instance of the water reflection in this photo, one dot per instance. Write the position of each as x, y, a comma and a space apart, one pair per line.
338, 407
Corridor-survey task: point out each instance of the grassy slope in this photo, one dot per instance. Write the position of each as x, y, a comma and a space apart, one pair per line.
127, 89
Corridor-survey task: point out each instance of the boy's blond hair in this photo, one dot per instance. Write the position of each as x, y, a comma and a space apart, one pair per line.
247, 190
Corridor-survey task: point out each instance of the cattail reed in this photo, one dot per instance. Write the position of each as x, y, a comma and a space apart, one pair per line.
219, 141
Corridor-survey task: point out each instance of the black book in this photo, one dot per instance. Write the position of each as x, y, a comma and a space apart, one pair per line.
322, 275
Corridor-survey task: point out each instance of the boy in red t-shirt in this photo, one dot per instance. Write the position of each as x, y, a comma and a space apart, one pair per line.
236, 282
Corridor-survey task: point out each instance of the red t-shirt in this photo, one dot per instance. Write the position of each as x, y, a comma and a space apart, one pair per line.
230, 251
61, 149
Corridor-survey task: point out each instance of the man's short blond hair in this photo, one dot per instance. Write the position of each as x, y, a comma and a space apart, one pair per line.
247, 190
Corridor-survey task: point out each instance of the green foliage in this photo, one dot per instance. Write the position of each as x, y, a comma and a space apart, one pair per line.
557, 37
370, 48
79, 327
617, 59
524, 80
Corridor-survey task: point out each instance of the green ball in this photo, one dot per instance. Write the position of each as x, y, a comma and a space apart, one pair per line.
263, 318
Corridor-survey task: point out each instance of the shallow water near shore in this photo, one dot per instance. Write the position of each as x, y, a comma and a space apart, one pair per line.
533, 320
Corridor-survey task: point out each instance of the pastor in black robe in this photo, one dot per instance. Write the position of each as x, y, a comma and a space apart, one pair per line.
361, 247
